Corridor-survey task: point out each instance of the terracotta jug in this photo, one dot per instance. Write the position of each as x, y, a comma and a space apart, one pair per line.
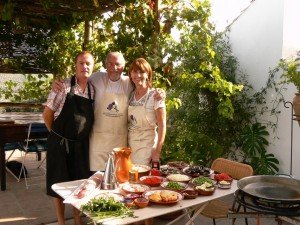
122, 163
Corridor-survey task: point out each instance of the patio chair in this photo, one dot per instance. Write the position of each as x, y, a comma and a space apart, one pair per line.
34, 143
217, 209
11, 147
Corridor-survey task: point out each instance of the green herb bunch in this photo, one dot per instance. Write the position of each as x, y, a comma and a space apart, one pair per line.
102, 208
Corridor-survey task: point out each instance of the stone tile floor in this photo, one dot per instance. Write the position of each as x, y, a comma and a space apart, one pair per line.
21, 206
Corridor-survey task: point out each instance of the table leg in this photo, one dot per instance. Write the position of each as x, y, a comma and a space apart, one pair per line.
2, 168
149, 221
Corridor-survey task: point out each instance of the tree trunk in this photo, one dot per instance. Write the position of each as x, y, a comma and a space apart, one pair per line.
87, 34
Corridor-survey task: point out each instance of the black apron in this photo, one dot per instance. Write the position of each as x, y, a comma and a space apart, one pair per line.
68, 141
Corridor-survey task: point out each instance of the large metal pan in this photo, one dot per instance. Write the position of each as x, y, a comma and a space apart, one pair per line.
271, 187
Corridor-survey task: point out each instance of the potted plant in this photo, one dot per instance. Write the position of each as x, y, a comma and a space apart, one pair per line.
291, 74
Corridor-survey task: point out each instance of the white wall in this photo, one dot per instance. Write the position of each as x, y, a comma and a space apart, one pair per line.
260, 37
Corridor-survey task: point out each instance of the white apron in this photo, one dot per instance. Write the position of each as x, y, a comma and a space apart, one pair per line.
142, 136
110, 126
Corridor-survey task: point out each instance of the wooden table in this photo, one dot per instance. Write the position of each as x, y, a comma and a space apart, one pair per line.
153, 210
13, 128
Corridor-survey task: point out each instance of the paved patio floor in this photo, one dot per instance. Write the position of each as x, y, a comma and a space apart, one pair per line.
21, 206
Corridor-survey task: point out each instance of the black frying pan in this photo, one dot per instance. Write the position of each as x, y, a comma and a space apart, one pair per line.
271, 187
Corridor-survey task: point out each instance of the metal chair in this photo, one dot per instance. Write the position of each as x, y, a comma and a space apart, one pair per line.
34, 143
217, 209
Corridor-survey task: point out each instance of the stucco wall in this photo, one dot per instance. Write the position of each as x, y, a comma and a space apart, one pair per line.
260, 37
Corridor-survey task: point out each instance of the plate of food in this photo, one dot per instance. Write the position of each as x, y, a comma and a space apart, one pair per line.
86, 188
201, 180
179, 177
178, 164
165, 170
152, 181
116, 196
196, 171
205, 188
163, 196
224, 184
223, 176
135, 188
174, 185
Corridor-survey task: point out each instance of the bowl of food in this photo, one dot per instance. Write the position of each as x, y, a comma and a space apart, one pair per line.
141, 202
139, 170
174, 185
196, 171
129, 202
178, 164
224, 184
179, 178
189, 194
201, 180
135, 188
223, 176
163, 196
205, 188
131, 196
166, 170
152, 181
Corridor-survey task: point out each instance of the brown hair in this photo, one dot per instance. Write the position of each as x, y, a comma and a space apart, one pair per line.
142, 65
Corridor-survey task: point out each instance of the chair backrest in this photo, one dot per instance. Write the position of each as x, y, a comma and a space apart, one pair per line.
37, 130
235, 169
36, 138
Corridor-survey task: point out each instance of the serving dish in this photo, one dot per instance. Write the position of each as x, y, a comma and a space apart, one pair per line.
223, 184
201, 180
116, 196
138, 170
166, 170
152, 181
189, 194
179, 177
178, 164
135, 188
205, 189
176, 196
141, 202
223, 176
196, 171
174, 185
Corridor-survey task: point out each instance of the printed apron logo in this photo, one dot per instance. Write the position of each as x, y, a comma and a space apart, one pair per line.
132, 123
113, 106
113, 110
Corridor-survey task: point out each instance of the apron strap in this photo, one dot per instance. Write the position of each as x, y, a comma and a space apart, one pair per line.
64, 140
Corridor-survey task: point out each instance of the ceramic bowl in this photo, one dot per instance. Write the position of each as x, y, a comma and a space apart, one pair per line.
223, 176
224, 184
135, 188
129, 202
152, 181
178, 164
141, 170
141, 202
174, 185
205, 191
189, 194
166, 170
179, 178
